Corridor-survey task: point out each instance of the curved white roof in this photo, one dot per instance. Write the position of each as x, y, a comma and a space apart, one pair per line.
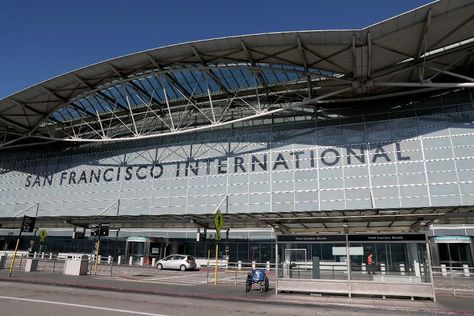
204, 84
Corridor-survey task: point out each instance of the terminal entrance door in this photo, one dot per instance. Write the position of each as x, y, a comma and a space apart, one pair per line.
146, 247
454, 254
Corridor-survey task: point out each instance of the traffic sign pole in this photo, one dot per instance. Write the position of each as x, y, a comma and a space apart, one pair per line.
215, 268
218, 223
14, 255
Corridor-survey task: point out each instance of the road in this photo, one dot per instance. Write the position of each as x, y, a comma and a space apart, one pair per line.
28, 299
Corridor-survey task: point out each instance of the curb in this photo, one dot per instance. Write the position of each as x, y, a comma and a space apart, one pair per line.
285, 302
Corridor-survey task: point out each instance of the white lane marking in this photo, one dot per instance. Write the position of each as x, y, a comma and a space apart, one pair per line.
81, 306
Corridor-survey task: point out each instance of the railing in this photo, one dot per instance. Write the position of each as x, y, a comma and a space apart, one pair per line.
454, 280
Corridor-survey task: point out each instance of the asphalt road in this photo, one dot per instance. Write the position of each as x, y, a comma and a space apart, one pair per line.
27, 299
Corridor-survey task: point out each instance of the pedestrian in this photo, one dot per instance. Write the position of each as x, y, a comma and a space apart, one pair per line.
370, 264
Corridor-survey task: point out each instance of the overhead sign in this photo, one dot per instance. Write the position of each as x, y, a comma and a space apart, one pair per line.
218, 221
100, 229
312, 238
43, 234
28, 224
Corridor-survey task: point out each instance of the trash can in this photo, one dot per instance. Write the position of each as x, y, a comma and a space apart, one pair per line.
31, 265
76, 264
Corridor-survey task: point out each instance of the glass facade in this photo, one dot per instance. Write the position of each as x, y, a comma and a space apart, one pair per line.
390, 154
401, 260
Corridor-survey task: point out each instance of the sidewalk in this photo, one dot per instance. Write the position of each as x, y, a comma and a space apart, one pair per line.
446, 304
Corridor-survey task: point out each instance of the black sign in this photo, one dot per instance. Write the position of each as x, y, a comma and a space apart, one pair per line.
391, 237
311, 238
100, 229
352, 238
28, 224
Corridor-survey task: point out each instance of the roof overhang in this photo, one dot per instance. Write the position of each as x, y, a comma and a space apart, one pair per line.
212, 83
368, 220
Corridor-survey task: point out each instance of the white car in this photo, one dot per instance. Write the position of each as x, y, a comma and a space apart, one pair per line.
177, 262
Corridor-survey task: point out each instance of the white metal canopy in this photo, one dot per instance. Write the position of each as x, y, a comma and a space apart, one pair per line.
206, 84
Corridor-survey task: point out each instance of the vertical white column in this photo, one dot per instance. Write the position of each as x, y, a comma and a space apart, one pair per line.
465, 269
444, 272
402, 269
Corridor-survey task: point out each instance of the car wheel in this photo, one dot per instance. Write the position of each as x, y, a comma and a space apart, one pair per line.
159, 266
182, 267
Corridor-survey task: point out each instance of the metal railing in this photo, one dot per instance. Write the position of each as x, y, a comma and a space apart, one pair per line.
452, 280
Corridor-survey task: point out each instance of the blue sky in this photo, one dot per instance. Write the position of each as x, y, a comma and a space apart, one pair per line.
43, 39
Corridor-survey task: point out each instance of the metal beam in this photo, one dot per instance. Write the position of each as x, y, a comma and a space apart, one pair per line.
258, 74
305, 64
210, 72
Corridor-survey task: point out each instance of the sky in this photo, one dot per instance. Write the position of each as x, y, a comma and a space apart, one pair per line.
43, 39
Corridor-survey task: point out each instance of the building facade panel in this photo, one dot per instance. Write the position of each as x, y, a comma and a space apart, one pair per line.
419, 161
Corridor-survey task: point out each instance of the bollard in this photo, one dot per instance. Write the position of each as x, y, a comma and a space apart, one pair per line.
402, 269
153, 262
465, 269
109, 260
34, 255
119, 260
364, 268
416, 266
100, 259
267, 266
50, 256
253, 264
42, 255
443, 270
141, 261
130, 261
239, 265
382, 268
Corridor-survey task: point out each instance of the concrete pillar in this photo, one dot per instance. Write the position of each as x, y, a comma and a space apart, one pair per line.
130, 260
42, 255
50, 256
465, 269
239, 265
153, 262
443, 270
119, 260
141, 261
109, 259
402, 269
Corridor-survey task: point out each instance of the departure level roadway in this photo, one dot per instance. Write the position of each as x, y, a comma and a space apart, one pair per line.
32, 300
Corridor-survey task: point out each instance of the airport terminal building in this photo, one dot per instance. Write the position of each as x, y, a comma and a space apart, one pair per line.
353, 133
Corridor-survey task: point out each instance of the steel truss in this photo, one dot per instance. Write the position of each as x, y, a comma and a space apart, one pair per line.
199, 91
